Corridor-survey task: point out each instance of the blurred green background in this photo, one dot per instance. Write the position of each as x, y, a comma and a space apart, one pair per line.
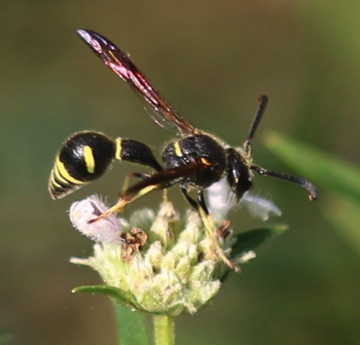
211, 60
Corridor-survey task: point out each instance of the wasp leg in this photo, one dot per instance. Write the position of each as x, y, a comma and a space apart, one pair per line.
195, 204
161, 180
189, 199
140, 176
212, 232
202, 203
210, 227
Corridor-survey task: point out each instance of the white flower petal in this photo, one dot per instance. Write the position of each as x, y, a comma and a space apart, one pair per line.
104, 230
259, 207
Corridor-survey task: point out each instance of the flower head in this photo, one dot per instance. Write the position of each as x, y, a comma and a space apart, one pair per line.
160, 262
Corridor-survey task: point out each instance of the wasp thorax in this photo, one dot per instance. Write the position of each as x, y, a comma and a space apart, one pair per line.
201, 150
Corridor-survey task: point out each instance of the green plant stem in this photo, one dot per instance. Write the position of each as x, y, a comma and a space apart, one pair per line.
164, 330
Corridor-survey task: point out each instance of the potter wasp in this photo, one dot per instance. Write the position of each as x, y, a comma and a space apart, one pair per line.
195, 161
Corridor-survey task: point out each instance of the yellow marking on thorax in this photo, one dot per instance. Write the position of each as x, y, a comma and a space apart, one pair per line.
205, 161
89, 159
118, 142
63, 175
178, 150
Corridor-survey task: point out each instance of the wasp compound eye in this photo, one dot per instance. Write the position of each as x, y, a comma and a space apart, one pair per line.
84, 157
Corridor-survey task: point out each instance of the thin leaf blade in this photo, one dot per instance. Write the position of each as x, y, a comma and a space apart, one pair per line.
323, 169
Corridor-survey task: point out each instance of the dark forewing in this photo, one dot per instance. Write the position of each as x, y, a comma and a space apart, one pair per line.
120, 63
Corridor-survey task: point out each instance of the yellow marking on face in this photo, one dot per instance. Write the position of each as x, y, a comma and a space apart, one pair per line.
118, 142
205, 161
89, 159
178, 150
63, 175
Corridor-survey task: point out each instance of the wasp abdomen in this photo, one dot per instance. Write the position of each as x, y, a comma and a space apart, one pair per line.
136, 152
86, 155
83, 158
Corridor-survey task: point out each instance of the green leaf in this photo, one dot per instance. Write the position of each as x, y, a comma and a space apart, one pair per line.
132, 327
333, 174
345, 217
323, 169
250, 240
118, 295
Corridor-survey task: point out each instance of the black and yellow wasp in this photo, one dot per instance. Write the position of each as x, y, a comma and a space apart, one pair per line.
195, 161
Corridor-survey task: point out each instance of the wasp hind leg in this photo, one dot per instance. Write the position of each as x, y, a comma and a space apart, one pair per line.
139, 176
211, 229
160, 180
130, 194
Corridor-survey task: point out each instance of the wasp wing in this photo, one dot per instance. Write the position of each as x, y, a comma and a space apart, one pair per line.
120, 63
160, 180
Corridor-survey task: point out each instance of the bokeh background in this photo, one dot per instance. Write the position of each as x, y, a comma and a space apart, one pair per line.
211, 60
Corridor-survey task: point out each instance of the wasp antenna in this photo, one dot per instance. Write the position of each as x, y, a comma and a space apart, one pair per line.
313, 193
263, 100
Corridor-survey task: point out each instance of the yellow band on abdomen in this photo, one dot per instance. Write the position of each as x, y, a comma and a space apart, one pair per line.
89, 159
